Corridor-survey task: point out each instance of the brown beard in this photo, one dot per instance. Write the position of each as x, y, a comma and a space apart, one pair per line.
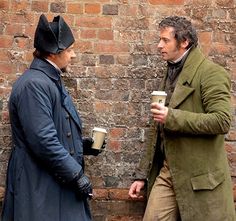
64, 70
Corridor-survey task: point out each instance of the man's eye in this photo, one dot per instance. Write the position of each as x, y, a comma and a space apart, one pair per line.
156, 40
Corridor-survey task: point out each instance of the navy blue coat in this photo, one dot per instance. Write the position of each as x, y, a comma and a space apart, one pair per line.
47, 150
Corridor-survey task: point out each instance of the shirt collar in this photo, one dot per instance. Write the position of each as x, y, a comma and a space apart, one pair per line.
180, 58
53, 64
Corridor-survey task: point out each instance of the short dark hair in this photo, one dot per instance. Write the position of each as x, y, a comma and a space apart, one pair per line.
183, 29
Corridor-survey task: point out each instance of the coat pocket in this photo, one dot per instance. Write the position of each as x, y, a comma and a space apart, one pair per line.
208, 181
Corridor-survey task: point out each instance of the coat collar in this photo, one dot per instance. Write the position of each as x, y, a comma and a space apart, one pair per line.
46, 68
183, 88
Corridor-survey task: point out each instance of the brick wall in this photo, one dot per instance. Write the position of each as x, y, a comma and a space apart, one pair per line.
116, 68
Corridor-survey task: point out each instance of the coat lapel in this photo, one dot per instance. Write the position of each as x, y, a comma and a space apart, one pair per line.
69, 106
181, 92
183, 86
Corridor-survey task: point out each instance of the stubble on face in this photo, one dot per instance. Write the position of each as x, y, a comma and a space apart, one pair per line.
64, 70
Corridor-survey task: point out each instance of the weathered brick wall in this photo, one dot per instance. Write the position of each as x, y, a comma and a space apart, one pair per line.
116, 68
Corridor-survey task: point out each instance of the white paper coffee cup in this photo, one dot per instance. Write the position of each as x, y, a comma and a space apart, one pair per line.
159, 97
98, 135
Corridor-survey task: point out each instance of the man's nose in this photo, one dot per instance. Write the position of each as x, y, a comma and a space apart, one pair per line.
159, 45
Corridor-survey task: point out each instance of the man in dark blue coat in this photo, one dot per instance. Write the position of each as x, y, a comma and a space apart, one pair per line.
45, 177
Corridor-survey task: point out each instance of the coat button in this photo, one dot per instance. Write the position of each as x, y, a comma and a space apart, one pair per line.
67, 116
68, 134
72, 152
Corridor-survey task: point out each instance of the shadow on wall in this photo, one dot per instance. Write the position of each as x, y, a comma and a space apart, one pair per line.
2, 190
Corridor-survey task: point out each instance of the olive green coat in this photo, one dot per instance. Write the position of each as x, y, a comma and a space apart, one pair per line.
199, 115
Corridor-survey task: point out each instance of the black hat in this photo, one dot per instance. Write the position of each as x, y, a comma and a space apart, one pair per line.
53, 37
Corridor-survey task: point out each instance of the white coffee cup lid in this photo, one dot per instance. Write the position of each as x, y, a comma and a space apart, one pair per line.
162, 93
100, 129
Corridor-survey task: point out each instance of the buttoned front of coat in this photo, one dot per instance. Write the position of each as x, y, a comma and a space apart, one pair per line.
198, 117
47, 152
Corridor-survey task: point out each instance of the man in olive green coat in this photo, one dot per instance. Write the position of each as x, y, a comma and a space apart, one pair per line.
185, 165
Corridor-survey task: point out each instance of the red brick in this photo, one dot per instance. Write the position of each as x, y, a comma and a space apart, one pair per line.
219, 37
228, 147
105, 34
101, 72
102, 107
74, 8
231, 135
20, 5
29, 30
23, 42
58, 7
101, 1
205, 37
4, 5
88, 34
100, 194
5, 117
127, 36
119, 194
110, 9
4, 55
124, 59
114, 145
117, 133
21, 18
29, 55
226, 3
40, 6
14, 29
166, 2
6, 41
205, 40
114, 47
222, 49
94, 22
2, 80
6, 67
92, 8
128, 10
84, 46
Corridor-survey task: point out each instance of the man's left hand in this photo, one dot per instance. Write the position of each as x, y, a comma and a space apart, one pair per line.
87, 147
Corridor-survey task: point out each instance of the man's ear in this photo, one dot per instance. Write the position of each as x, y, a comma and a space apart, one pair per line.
184, 44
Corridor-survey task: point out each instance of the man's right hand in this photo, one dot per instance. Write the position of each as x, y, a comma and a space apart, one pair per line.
135, 189
84, 187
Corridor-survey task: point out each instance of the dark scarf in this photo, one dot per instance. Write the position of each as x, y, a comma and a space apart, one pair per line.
173, 72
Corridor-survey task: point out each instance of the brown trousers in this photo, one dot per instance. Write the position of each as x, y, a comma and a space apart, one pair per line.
162, 205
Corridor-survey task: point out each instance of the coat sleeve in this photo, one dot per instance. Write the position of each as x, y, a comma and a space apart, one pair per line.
215, 99
35, 111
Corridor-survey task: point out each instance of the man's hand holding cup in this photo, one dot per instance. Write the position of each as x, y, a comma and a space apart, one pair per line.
158, 108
